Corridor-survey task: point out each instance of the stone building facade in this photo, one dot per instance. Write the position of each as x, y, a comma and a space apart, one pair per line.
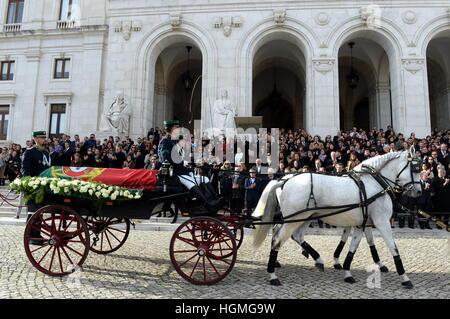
66, 62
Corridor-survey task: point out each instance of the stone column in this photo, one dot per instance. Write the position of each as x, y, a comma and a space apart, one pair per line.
89, 102
412, 113
383, 105
160, 106
443, 109
322, 103
32, 116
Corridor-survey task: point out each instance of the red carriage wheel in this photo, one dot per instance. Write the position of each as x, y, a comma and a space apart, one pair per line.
56, 240
198, 249
107, 234
232, 220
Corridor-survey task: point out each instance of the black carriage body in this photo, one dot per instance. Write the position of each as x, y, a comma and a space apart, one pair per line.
141, 208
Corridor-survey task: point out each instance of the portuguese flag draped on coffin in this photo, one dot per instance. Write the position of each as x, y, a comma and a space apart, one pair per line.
128, 178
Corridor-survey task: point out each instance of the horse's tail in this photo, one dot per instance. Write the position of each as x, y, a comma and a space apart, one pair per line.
266, 208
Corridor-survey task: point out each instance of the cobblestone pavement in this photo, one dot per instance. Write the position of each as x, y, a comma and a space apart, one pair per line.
142, 269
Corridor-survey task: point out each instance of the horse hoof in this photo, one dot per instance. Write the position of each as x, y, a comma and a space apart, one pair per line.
337, 266
384, 269
277, 265
407, 284
275, 282
350, 280
305, 253
320, 267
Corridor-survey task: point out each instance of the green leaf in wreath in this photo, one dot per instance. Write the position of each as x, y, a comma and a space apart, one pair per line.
40, 194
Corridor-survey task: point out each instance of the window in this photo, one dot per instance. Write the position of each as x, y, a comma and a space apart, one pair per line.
57, 119
7, 71
62, 67
70, 10
15, 11
4, 119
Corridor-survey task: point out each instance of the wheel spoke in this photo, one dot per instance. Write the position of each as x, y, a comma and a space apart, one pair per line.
74, 250
181, 265
60, 261
204, 268
73, 218
40, 230
67, 255
187, 241
44, 224
185, 251
51, 260
46, 245
195, 266
214, 267
122, 231
107, 238
50, 248
113, 235
224, 260
101, 242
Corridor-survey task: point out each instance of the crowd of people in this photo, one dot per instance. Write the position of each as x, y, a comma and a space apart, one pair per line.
241, 182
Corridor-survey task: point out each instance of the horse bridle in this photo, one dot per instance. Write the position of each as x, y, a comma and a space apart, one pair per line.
414, 164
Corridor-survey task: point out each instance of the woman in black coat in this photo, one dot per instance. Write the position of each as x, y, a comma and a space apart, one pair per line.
13, 165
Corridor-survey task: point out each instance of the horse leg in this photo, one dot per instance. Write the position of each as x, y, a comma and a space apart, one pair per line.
373, 250
298, 236
384, 227
357, 236
279, 238
337, 252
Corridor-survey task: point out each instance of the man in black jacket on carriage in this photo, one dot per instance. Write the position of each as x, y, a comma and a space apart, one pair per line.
199, 186
36, 160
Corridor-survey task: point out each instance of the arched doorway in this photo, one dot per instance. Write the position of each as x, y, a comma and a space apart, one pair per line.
278, 93
178, 84
364, 84
438, 68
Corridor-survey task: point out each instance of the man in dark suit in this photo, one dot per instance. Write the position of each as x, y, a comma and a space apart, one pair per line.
424, 200
441, 187
253, 191
258, 168
443, 155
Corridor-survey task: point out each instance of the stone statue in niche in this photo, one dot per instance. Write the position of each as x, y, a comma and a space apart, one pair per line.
118, 116
223, 113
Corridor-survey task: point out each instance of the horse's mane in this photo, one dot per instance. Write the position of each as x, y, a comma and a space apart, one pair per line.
379, 161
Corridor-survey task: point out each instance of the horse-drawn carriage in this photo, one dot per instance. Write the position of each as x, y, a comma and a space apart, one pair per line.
60, 234
203, 249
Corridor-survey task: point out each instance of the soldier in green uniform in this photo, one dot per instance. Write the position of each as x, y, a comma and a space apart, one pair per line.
199, 186
36, 160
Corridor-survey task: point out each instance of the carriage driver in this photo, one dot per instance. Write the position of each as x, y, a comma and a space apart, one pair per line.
199, 186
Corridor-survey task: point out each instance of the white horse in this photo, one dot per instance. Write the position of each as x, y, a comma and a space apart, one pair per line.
332, 191
307, 250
